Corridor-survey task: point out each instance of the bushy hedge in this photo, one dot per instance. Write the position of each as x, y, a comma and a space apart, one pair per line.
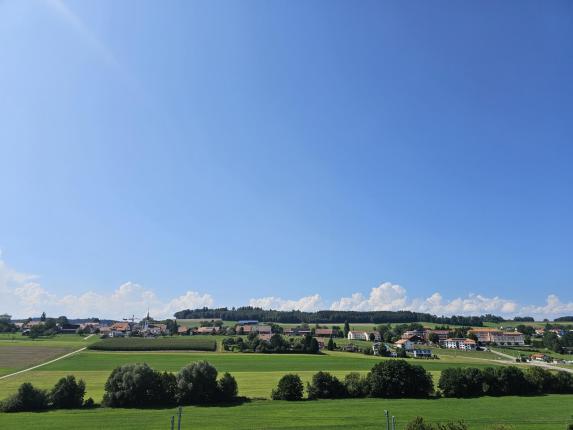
155, 344
391, 378
138, 385
418, 423
277, 344
66, 394
503, 381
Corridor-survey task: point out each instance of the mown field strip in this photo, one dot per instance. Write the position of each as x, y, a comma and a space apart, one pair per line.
42, 364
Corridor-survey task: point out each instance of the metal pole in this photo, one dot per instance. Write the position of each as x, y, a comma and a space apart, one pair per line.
387, 415
179, 418
172, 421
393, 422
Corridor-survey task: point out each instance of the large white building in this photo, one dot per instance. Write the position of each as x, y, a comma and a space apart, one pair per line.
460, 343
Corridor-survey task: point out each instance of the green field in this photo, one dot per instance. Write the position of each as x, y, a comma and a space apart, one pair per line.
257, 375
195, 343
521, 413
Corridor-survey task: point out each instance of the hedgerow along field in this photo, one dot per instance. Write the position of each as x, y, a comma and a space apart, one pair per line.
184, 343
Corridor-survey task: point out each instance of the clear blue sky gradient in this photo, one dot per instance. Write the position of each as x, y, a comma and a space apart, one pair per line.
261, 148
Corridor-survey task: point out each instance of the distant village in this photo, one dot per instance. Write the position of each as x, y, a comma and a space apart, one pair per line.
404, 340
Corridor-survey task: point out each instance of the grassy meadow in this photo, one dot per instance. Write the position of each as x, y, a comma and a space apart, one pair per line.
257, 375
518, 413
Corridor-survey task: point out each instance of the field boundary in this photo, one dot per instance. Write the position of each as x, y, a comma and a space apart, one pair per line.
42, 364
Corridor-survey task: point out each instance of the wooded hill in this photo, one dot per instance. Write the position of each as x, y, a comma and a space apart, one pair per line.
324, 317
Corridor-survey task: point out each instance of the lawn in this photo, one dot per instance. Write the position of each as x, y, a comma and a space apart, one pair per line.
521, 413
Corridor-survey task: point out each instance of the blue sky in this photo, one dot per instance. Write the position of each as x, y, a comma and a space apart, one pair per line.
319, 154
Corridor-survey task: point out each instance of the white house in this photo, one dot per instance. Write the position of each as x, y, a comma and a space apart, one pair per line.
460, 343
358, 335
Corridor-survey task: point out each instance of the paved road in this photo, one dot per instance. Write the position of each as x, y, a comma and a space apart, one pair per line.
533, 363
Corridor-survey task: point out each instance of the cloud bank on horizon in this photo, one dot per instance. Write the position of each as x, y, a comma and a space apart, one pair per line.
23, 296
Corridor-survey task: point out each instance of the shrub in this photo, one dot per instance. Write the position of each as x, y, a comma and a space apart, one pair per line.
289, 388
135, 385
325, 386
28, 398
418, 423
68, 393
197, 383
356, 385
89, 403
227, 386
398, 378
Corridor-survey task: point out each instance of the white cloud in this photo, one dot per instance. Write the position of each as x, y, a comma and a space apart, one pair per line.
385, 297
21, 295
308, 303
553, 307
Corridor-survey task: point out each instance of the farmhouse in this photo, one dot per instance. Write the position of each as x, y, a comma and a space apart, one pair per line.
411, 333
539, 357
460, 343
358, 335
207, 330
181, 330
442, 335
404, 343
324, 332
263, 329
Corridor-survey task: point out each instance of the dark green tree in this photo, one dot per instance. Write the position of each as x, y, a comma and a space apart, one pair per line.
197, 383
398, 378
68, 393
289, 388
325, 386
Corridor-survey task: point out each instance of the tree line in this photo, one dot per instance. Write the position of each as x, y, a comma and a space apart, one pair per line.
503, 381
400, 379
277, 344
328, 316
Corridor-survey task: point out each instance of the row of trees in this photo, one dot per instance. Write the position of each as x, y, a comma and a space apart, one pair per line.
66, 394
503, 381
276, 344
328, 316
138, 385
389, 379
400, 379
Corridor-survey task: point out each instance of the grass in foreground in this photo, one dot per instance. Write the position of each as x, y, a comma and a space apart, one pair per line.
523, 413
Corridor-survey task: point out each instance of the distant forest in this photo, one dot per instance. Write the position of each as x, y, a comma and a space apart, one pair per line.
324, 317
